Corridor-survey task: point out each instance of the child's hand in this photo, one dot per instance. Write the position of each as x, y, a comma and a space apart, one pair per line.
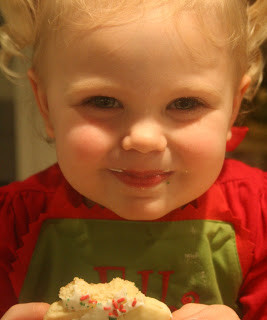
27, 311
195, 311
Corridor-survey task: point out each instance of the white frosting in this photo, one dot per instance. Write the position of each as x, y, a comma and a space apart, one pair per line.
101, 310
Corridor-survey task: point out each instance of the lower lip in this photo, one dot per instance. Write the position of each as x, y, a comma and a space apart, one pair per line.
141, 180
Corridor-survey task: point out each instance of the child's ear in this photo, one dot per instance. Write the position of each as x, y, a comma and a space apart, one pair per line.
244, 84
41, 100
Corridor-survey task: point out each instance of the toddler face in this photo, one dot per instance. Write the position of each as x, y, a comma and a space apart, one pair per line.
140, 122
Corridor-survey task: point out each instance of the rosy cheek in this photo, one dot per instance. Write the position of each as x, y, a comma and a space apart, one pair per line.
208, 145
205, 144
88, 143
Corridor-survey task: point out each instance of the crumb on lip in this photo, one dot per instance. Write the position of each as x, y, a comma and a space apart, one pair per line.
142, 172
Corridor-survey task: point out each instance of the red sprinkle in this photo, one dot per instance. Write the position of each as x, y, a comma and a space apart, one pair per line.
122, 309
115, 312
115, 304
121, 300
92, 301
134, 302
84, 297
107, 308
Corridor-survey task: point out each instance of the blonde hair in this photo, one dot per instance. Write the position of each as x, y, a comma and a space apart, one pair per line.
28, 23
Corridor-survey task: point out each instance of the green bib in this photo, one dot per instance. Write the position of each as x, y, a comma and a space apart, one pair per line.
176, 262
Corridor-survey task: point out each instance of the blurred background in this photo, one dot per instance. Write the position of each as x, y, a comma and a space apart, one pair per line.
24, 151
23, 146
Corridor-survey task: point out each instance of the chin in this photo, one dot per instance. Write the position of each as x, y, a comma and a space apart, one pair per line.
145, 213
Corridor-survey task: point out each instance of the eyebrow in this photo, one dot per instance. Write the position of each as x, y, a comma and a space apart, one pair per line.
92, 83
201, 88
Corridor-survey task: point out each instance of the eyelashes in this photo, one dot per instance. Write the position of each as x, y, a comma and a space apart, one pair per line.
186, 104
102, 102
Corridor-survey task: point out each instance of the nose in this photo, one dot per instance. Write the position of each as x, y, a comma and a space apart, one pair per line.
145, 137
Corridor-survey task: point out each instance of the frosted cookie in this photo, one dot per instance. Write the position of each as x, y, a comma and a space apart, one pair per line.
118, 299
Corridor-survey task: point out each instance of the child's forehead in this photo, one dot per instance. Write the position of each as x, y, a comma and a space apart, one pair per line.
77, 16
69, 20
182, 28
151, 41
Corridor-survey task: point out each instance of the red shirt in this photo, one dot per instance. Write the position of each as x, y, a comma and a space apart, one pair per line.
239, 189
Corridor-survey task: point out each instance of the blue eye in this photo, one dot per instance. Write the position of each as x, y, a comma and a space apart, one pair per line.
102, 102
186, 104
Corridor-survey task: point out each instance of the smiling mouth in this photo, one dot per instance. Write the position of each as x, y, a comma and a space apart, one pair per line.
141, 179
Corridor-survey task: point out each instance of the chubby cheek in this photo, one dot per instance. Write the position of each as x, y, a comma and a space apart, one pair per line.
84, 144
203, 147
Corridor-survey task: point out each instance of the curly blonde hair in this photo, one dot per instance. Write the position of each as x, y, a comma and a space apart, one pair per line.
29, 23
